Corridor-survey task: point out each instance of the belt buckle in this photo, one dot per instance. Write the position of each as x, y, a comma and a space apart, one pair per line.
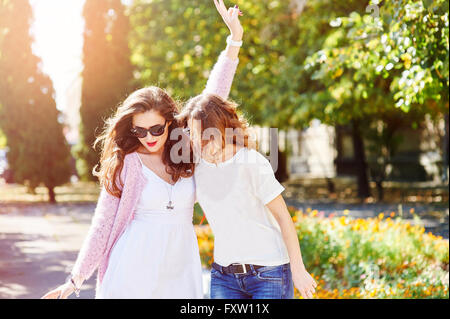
243, 268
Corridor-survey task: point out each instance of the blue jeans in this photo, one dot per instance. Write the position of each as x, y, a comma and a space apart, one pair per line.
269, 282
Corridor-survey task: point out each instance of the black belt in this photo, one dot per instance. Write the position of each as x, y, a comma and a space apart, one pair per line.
235, 268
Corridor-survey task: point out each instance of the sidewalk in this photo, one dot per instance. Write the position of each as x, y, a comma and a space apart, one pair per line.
38, 245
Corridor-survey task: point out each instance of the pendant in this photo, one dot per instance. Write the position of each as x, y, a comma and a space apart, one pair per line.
169, 206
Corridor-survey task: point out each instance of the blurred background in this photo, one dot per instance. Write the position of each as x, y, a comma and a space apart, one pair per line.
357, 90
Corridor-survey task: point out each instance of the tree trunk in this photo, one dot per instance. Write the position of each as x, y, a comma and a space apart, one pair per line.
360, 161
380, 191
331, 186
51, 195
281, 174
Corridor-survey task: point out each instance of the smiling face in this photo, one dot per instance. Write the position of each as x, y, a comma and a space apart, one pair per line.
153, 144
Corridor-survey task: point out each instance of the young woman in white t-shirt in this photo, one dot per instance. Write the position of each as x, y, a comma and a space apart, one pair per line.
256, 249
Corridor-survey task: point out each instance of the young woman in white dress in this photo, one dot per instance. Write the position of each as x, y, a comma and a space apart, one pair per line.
157, 256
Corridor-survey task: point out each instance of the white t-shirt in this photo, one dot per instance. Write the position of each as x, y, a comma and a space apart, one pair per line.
233, 195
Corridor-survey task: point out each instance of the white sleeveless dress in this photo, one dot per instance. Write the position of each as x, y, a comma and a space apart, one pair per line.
157, 256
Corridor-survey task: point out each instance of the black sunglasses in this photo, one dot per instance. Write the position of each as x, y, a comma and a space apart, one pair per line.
155, 130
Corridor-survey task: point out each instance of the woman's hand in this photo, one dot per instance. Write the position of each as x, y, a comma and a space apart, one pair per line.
304, 282
62, 292
230, 17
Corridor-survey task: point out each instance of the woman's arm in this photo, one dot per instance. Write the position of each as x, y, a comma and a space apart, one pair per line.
302, 279
222, 74
231, 19
96, 240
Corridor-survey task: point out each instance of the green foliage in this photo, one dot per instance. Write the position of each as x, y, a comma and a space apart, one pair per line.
396, 60
374, 254
107, 75
38, 152
175, 44
334, 61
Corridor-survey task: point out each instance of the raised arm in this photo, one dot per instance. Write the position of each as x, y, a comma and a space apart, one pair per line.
222, 74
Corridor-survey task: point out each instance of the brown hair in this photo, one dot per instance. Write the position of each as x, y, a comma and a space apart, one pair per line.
117, 141
215, 112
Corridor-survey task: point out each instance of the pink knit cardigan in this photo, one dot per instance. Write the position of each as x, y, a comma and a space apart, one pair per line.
113, 214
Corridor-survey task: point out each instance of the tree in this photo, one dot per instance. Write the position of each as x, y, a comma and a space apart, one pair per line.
175, 43
38, 152
107, 75
389, 62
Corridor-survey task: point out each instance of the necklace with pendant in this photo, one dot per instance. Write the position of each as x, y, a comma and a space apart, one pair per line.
169, 205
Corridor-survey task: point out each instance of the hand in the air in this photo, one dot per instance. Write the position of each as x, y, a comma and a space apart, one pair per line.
231, 18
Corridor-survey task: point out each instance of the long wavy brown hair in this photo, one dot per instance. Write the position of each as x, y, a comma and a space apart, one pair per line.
215, 112
116, 139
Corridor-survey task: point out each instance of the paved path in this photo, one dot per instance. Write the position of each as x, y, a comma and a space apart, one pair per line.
38, 245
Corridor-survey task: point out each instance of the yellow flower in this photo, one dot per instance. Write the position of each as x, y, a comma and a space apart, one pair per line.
375, 228
347, 243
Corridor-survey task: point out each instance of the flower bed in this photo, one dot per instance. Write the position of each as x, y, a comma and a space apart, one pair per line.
380, 257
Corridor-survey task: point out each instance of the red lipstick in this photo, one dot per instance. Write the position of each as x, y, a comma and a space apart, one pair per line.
151, 144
